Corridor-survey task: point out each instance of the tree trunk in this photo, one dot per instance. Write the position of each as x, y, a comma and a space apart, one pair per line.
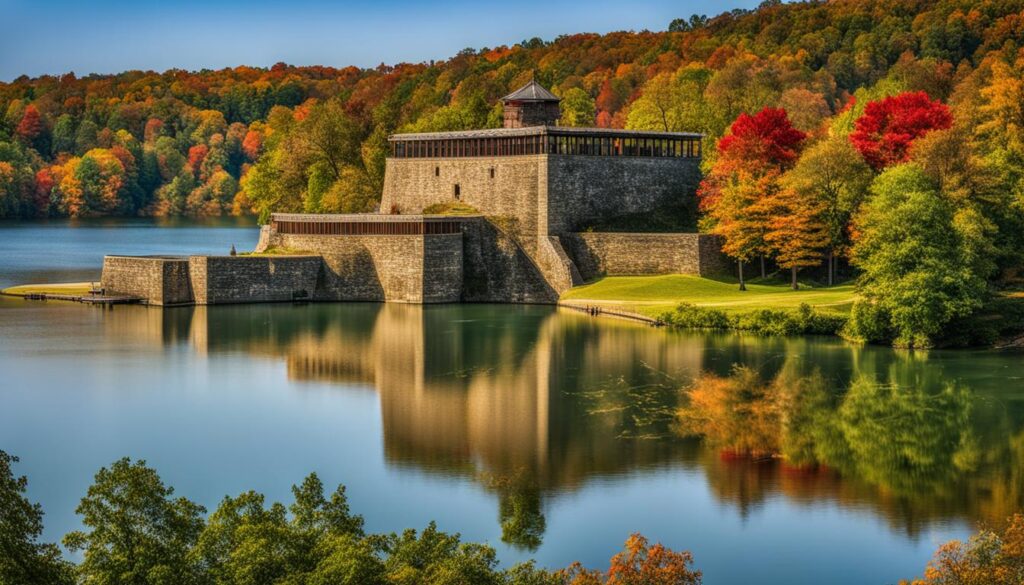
831, 268
743, 285
795, 285
762, 266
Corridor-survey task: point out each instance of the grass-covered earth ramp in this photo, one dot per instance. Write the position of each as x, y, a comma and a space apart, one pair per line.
653, 296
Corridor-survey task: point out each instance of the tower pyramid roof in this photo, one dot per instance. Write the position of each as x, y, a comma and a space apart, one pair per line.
531, 92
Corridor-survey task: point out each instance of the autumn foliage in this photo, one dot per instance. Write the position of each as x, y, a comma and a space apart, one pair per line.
766, 139
988, 558
888, 128
640, 563
742, 196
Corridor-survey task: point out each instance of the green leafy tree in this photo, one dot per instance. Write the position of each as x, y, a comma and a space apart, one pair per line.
63, 135
432, 556
346, 559
246, 543
136, 532
832, 174
23, 559
86, 137
918, 266
578, 108
673, 102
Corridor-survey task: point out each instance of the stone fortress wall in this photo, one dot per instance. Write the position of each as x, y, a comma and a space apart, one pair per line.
609, 253
161, 280
211, 280
397, 268
583, 189
537, 188
504, 187
544, 193
539, 200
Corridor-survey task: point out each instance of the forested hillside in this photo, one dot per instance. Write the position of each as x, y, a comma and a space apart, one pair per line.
313, 138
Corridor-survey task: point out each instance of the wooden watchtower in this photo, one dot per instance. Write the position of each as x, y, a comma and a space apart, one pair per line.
531, 105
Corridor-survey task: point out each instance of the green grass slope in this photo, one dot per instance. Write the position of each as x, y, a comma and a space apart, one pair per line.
653, 295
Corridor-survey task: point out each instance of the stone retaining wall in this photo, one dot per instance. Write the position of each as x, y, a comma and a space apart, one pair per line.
161, 280
609, 253
496, 268
398, 268
220, 280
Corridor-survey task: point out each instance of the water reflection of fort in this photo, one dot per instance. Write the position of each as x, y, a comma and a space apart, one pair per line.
530, 402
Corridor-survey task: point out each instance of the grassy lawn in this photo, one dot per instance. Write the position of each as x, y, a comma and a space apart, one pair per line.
653, 295
278, 251
450, 208
70, 288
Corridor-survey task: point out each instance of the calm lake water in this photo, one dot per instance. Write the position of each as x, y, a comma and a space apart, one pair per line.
550, 435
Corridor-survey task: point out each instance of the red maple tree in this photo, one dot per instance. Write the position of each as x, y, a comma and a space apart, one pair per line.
766, 138
31, 125
888, 127
745, 177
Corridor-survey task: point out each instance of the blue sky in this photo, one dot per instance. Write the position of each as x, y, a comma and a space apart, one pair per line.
106, 36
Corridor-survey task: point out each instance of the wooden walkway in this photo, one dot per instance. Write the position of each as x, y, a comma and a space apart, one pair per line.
92, 299
595, 311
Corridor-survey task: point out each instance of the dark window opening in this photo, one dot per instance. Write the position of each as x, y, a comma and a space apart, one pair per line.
437, 171
458, 193
492, 173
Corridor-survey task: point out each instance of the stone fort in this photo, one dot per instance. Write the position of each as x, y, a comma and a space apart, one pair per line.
535, 190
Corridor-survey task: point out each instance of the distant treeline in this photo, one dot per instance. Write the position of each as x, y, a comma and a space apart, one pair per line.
313, 138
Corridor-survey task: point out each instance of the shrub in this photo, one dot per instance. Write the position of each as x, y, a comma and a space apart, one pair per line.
767, 322
760, 321
687, 316
817, 323
869, 322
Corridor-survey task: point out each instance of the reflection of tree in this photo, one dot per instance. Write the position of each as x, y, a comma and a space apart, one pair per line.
735, 415
549, 401
912, 444
905, 438
742, 415
519, 509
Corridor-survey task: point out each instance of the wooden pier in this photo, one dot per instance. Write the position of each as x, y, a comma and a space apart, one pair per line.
87, 298
76, 293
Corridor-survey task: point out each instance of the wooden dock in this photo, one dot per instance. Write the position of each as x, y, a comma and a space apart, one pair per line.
92, 298
596, 311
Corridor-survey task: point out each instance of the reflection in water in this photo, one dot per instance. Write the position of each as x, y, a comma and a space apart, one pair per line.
900, 438
531, 402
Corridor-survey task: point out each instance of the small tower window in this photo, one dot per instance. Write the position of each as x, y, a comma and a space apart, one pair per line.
492, 172
458, 192
437, 171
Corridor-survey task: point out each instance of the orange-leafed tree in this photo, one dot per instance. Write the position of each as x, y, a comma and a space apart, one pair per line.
154, 129
888, 127
736, 193
988, 558
796, 233
196, 156
252, 144
640, 563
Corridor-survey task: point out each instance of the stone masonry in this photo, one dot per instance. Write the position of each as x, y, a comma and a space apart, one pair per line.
597, 254
161, 280
538, 189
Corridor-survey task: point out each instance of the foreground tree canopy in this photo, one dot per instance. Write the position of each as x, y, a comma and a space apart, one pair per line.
137, 532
